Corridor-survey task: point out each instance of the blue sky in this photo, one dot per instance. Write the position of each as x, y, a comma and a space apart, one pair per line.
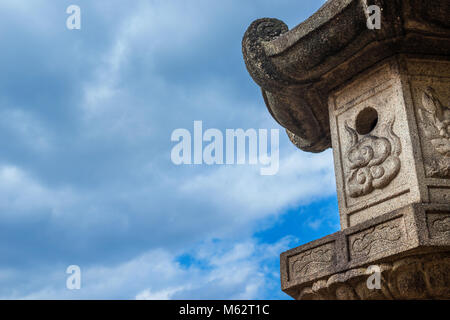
86, 178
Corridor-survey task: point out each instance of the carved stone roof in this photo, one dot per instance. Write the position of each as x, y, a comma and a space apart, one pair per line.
296, 69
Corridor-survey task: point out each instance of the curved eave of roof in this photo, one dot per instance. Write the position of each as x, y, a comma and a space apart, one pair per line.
296, 69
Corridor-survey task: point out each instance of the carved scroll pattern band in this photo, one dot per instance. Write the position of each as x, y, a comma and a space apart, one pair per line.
311, 261
378, 239
438, 225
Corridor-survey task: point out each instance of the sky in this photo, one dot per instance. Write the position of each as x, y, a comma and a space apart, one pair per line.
86, 176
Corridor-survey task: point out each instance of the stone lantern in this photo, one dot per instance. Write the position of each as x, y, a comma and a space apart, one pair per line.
381, 99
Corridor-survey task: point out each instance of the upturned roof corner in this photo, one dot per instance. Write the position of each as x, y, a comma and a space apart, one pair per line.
296, 69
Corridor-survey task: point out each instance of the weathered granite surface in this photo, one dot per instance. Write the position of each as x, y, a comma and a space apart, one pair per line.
418, 233
390, 144
381, 99
296, 69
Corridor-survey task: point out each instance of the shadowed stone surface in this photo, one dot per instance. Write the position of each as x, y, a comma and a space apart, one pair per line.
381, 99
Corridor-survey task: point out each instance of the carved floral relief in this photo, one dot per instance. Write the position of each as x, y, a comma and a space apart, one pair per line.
372, 162
435, 119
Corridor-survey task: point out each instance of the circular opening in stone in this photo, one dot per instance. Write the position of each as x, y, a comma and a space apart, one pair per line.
366, 120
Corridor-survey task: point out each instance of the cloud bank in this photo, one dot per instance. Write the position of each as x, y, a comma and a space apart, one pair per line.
85, 171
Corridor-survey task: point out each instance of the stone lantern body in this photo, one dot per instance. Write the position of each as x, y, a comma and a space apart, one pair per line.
381, 99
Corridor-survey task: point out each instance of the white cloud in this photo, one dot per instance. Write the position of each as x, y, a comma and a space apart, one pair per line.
236, 271
19, 193
26, 129
302, 178
119, 208
164, 294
